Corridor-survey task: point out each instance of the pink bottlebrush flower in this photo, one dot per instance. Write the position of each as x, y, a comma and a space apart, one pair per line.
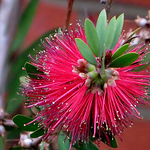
76, 97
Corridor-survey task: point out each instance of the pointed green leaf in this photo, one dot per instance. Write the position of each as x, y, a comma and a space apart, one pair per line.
63, 142
24, 25
130, 38
37, 133
145, 61
59, 31
21, 120
101, 29
119, 25
110, 33
86, 146
124, 60
85, 51
140, 68
112, 141
134, 32
119, 51
32, 70
92, 37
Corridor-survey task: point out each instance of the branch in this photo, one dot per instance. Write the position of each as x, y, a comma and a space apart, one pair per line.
109, 2
69, 11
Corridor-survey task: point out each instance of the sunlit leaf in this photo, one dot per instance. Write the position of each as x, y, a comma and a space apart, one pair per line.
24, 25
92, 37
120, 51
14, 100
21, 121
110, 33
85, 51
101, 29
119, 25
124, 60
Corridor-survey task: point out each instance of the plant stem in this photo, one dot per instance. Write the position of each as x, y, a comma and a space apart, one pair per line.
69, 10
109, 2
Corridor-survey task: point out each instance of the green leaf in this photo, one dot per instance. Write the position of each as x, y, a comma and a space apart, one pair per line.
13, 83
119, 25
134, 32
86, 146
124, 60
21, 120
37, 133
63, 142
42, 147
110, 33
92, 37
130, 38
140, 68
24, 25
59, 31
101, 29
145, 61
112, 141
1, 143
85, 51
32, 70
120, 51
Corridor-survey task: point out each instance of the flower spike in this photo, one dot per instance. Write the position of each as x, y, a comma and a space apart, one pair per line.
88, 88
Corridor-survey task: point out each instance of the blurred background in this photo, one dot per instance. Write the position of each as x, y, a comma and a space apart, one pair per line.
21, 32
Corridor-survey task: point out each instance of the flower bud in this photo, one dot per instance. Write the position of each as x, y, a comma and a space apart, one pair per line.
25, 141
141, 22
108, 56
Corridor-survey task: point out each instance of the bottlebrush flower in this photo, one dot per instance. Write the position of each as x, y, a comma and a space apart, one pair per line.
87, 81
